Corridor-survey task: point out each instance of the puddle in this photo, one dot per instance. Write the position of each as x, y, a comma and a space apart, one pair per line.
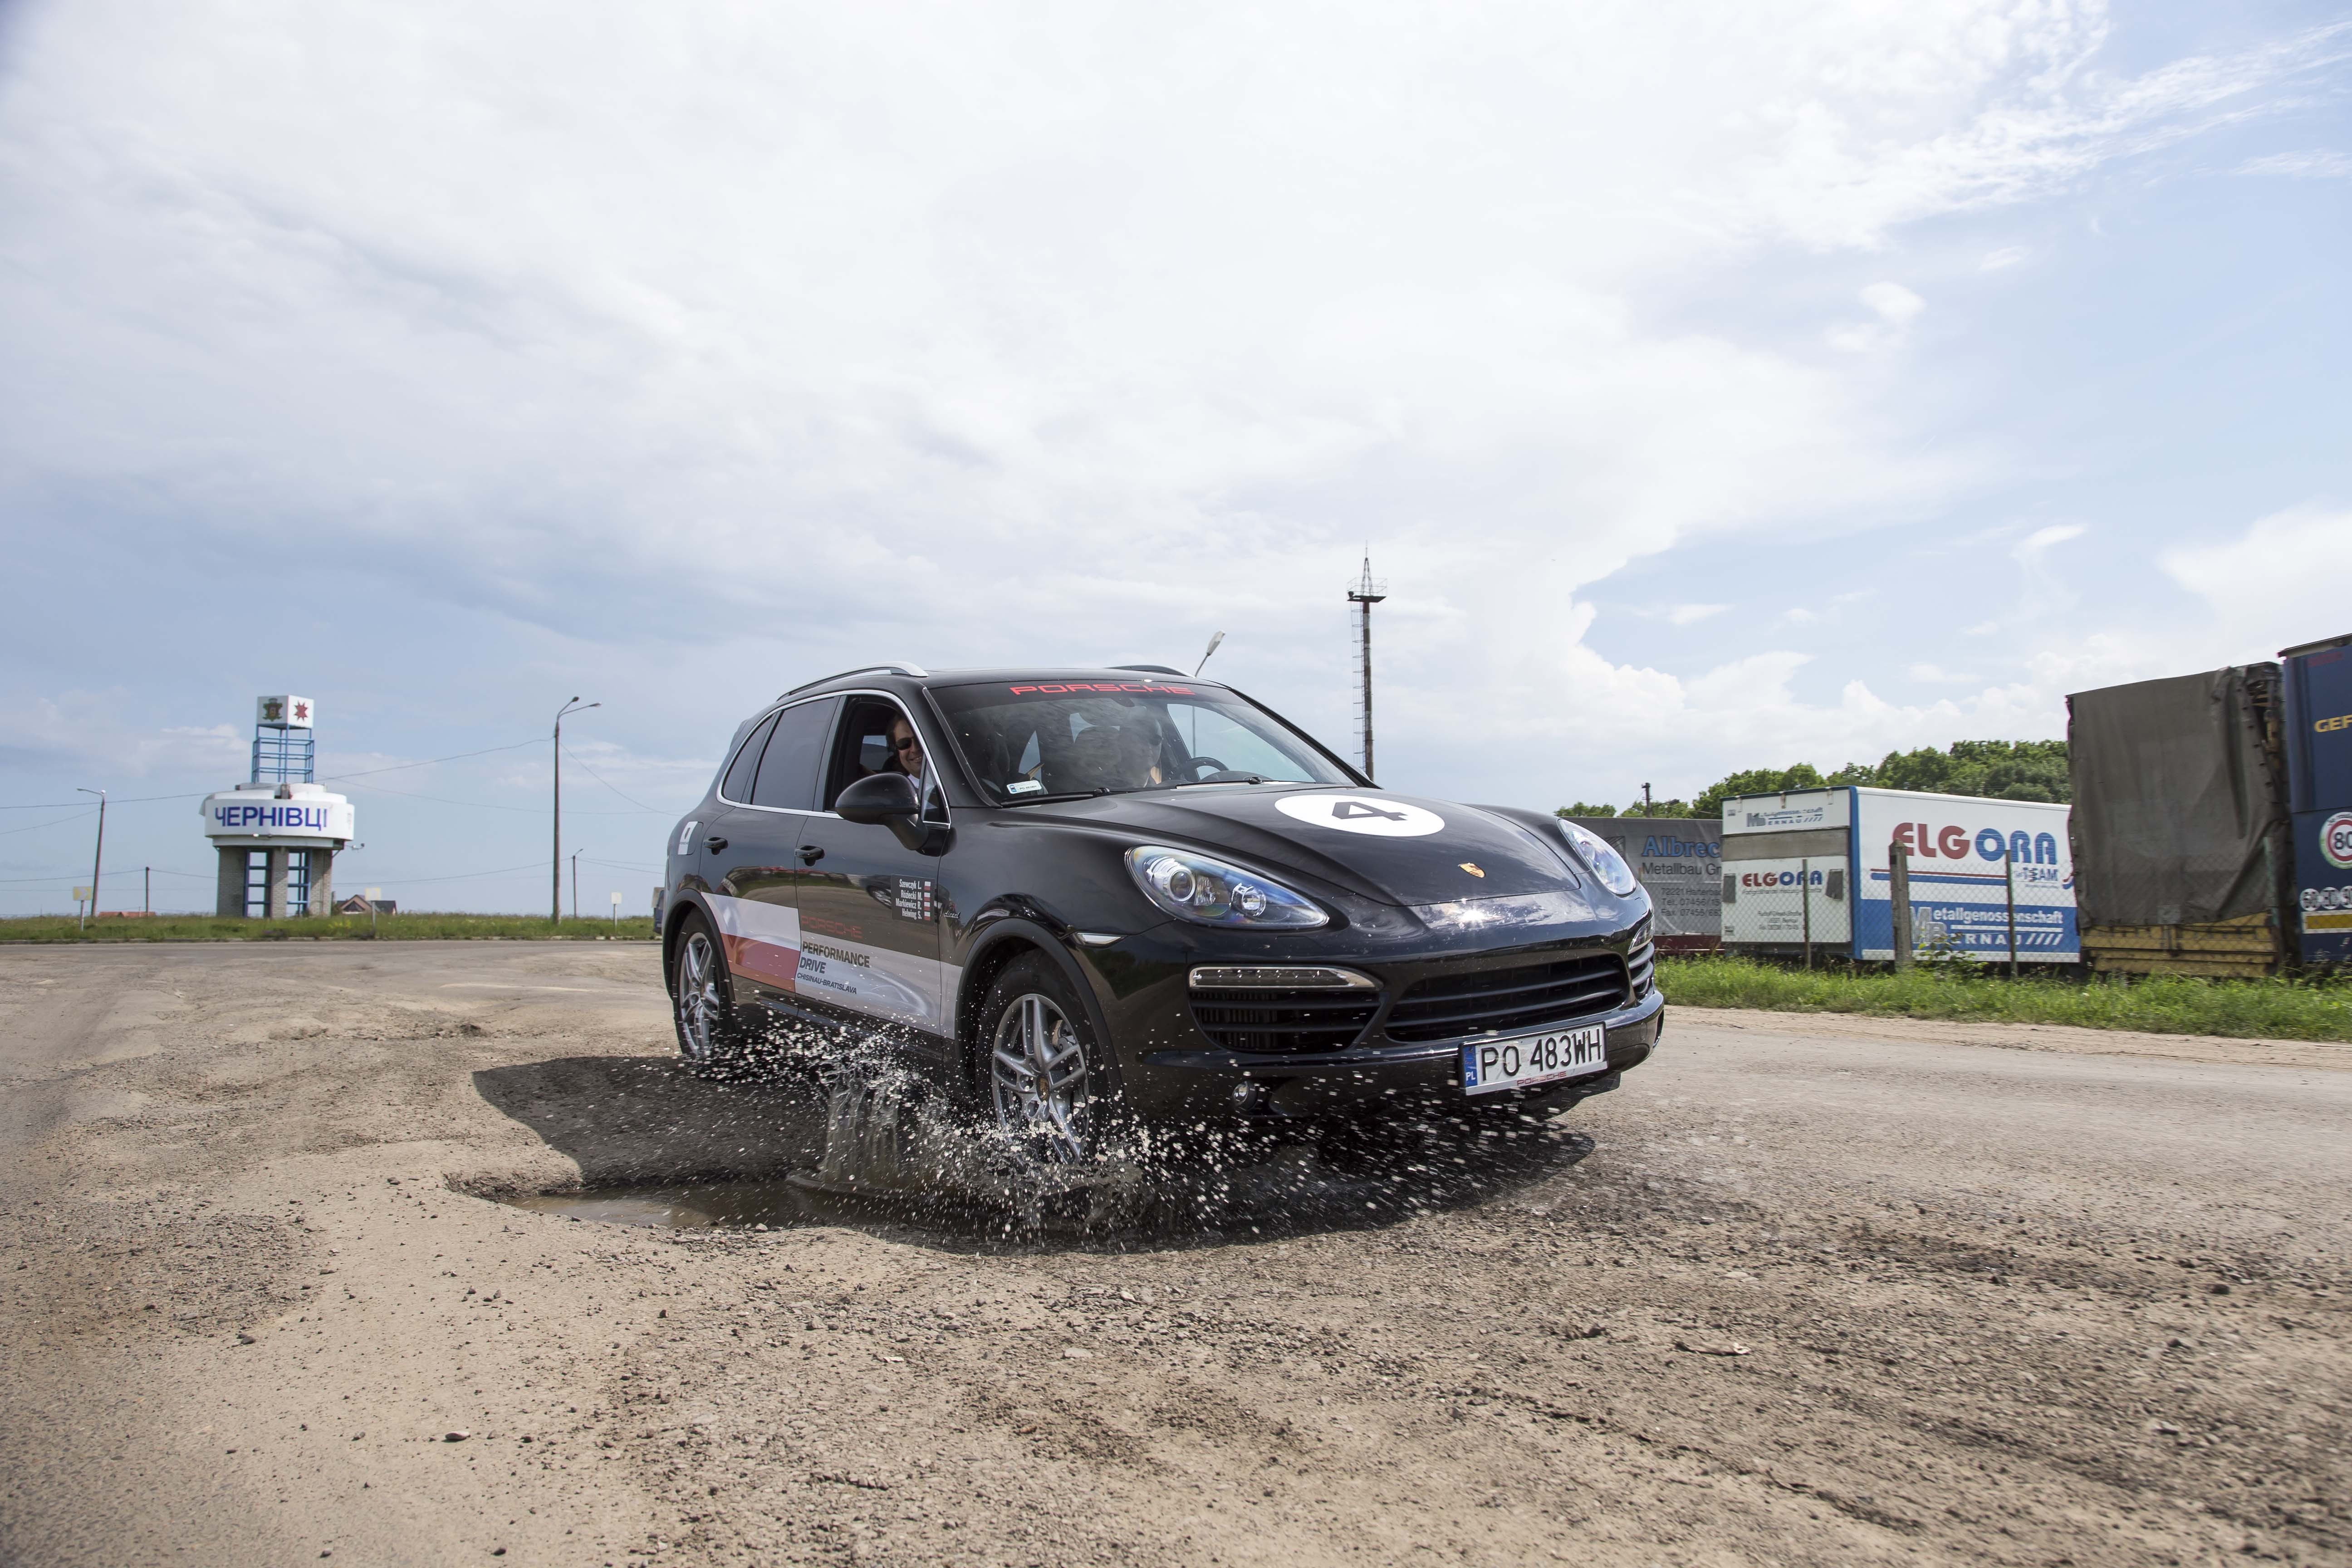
866, 1144
766, 1205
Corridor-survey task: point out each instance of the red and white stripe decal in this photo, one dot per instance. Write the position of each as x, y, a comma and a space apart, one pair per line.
761, 940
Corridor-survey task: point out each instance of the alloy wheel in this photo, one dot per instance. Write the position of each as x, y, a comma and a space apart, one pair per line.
1038, 1063
699, 1003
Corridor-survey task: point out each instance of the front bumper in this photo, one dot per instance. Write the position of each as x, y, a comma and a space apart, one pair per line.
1202, 1079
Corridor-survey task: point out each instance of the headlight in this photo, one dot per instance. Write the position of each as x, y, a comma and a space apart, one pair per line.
1606, 863
1195, 888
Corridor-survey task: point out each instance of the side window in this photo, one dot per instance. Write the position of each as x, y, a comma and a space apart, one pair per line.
788, 771
736, 784
861, 745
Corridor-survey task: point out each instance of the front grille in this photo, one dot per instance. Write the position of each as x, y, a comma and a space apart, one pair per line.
1451, 1006
1639, 967
1280, 1021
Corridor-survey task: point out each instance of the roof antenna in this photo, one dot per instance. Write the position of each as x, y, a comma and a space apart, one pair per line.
1204, 657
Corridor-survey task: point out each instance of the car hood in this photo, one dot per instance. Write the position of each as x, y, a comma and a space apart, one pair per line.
1393, 848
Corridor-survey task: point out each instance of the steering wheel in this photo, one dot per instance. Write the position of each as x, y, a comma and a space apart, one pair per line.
1212, 763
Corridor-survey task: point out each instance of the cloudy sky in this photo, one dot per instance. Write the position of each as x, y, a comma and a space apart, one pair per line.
1713, 386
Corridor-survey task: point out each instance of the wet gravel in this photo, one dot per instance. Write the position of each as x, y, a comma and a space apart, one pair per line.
1864, 1292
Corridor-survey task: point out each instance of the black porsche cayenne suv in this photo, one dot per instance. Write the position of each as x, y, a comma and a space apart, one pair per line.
1073, 896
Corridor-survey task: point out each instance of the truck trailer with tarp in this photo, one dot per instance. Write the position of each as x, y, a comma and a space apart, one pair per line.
2180, 826
1678, 860
1811, 873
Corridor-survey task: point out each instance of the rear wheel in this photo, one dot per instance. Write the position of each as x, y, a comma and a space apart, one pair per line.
1045, 1069
709, 1037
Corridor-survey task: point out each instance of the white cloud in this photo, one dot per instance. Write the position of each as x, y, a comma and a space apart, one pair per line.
2287, 580
2314, 165
1691, 614
1936, 675
2007, 256
1895, 307
2041, 539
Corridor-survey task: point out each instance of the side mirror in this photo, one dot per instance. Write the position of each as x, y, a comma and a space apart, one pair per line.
876, 798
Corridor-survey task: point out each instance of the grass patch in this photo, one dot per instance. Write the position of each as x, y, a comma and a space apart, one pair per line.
403, 927
2283, 1009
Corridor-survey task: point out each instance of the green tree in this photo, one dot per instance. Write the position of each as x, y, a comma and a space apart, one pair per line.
2000, 770
1755, 781
1582, 808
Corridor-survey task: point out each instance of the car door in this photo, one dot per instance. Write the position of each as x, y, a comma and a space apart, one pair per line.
870, 929
756, 901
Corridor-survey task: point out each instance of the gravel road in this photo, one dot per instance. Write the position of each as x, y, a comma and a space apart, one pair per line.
1803, 1290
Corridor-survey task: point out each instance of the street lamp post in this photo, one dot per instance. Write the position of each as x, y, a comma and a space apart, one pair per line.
555, 867
97, 856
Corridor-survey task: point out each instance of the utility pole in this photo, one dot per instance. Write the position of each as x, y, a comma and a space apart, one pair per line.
2009, 865
1645, 800
1898, 893
1364, 593
555, 864
97, 856
575, 883
147, 891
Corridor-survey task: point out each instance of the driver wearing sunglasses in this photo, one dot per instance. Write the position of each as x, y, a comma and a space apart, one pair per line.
907, 752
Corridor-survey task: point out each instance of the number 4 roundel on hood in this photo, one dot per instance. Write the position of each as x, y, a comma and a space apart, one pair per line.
1361, 813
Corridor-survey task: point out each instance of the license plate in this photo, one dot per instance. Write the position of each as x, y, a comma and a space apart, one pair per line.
1523, 1061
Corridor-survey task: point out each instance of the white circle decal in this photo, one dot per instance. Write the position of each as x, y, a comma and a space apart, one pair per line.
1361, 813
2335, 840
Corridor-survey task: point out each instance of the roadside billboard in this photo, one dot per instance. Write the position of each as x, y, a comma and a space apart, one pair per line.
1808, 869
1965, 853
1679, 859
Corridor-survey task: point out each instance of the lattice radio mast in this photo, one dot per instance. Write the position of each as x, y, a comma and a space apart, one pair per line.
1364, 593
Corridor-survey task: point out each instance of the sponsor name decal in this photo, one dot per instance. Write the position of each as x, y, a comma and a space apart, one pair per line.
1062, 687
857, 960
2329, 726
1775, 879
1788, 816
1951, 843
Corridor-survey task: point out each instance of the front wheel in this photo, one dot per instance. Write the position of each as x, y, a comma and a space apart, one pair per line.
703, 1002
1045, 1072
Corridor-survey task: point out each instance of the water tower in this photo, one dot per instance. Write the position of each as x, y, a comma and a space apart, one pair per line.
277, 834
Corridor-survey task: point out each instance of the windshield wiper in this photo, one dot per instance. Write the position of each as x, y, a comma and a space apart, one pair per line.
1067, 795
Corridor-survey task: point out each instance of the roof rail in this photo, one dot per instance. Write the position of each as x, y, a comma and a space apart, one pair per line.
1150, 668
916, 671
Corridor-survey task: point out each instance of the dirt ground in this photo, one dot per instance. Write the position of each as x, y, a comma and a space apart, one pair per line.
1805, 1289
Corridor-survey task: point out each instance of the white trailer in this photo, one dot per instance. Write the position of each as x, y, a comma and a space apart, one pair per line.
1809, 870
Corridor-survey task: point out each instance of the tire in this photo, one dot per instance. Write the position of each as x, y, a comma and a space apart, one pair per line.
702, 1002
1044, 1082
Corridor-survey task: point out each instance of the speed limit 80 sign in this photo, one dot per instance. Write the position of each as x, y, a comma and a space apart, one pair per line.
2335, 840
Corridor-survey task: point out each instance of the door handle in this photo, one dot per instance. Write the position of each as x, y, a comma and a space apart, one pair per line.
811, 854
715, 843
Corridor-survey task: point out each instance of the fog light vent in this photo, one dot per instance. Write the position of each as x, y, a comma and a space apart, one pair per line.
1282, 977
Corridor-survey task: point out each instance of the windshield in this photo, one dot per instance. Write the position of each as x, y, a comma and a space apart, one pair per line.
1033, 741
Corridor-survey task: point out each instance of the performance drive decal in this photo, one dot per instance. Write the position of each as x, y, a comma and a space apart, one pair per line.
763, 942
1361, 813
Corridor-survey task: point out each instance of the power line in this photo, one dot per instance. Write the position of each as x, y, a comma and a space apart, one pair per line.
608, 784
53, 822
331, 778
